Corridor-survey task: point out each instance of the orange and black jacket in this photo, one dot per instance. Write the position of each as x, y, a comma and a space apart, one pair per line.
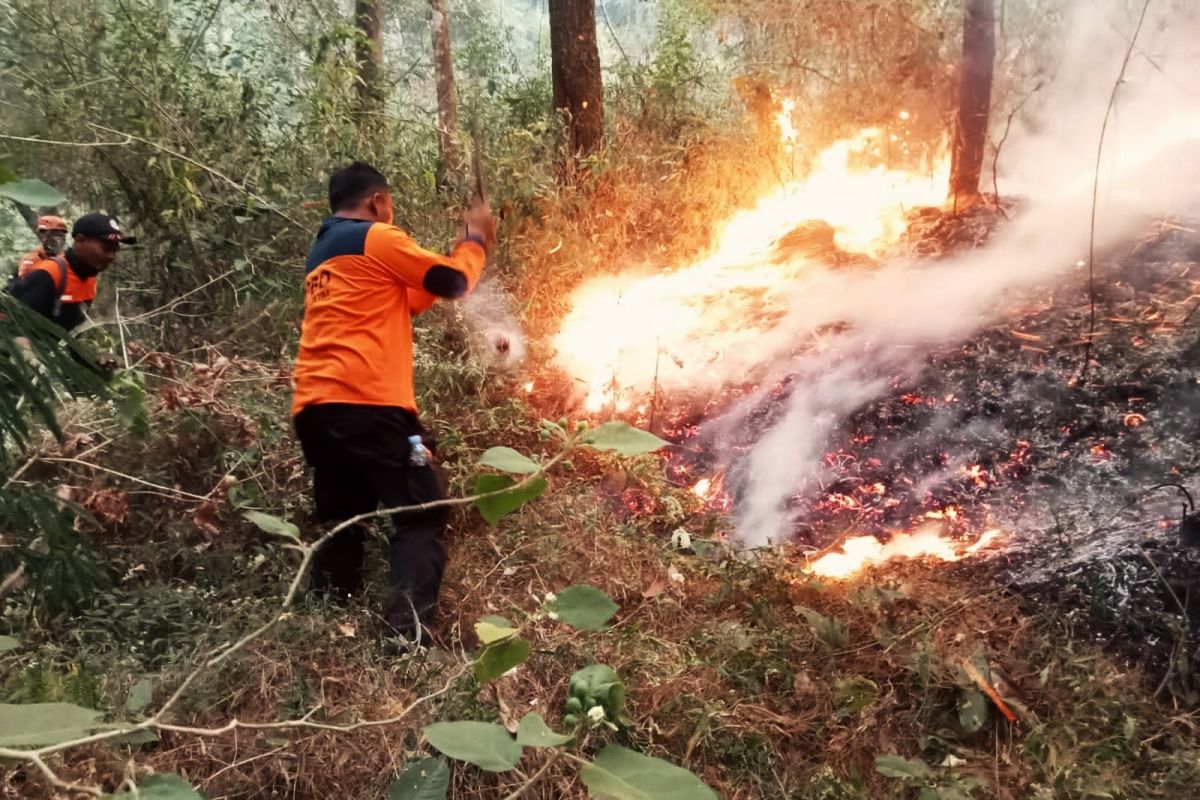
364, 282
30, 260
57, 296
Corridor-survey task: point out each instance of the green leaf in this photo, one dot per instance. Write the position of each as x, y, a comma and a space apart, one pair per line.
600, 684
129, 402
583, 607
422, 779
532, 731
506, 459
162, 787
139, 696
32, 193
8, 643
498, 506
484, 744
40, 724
273, 525
852, 695
498, 621
489, 632
621, 774
497, 658
622, 439
902, 768
828, 630
972, 710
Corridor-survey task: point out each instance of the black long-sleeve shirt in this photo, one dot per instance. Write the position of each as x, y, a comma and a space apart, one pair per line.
40, 290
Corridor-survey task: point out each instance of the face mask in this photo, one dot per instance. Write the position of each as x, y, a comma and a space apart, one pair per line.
53, 243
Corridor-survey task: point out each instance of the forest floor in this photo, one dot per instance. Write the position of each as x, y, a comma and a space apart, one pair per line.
760, 677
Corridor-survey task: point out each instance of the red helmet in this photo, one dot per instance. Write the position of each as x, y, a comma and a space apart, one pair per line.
51, 223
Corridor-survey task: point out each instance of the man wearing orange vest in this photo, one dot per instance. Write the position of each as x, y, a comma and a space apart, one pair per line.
52, 233
353, 404
60, 287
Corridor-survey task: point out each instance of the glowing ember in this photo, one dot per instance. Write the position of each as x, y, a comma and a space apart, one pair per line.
861, 552
627, 334
528, 387
702, 487
1134, 420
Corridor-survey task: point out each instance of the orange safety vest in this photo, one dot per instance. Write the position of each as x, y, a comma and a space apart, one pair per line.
364, 283
29, 261
71, 287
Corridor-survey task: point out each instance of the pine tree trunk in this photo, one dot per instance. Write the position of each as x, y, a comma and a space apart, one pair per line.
575, 69
974, 100
447, 95
368, 16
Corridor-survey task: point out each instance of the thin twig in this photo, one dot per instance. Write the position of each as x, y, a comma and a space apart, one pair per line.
36, 140
1112, 99
132, 478
535, 777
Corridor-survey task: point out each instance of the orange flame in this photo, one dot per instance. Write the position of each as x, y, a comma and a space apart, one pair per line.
625, 334
860, 552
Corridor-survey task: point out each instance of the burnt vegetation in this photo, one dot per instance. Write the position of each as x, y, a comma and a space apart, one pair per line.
1059, 663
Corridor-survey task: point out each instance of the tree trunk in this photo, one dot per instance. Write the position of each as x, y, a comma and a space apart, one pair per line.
447, 96
575, 69
368, 16
974, 100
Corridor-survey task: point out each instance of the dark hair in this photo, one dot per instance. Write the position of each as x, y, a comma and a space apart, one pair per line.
350, 185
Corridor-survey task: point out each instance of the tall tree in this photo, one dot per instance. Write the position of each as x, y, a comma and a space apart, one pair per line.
974, 100
368, 16
575, 70
447, 96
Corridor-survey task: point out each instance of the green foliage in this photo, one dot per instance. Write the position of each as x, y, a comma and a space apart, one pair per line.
129, 401
497, 658
422, 779
484, 744
497, 506
273, 525
852, 695
532, 731
494, 629
30, 192
621, 774
8, 643
40, 724
583, 607
622, 439
972, 710
140, 696
828, 630
161, 787
901, 768
595, 686
506, 459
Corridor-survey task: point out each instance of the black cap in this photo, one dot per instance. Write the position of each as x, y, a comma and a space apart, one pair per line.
101, 226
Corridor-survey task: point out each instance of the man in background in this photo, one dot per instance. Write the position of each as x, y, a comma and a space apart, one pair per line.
353, 405
61, 287
52, 235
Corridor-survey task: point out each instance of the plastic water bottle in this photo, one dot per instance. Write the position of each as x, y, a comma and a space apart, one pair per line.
418, 455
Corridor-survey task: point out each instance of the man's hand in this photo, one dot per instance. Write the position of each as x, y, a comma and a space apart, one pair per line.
478, 221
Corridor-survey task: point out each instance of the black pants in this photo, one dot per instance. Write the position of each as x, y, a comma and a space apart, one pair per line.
360, 457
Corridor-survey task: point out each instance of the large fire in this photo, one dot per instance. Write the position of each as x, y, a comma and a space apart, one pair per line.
629, 333
860, 552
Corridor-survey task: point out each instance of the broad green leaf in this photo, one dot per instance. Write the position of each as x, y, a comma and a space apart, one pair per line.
532, 731
828, 630
484, 744
601, 684
161, 787
498, 506
8, 643
139, 696
621, 774
489, 632
497, 658
852, 695
902, 768
273, 525
7, 175
32, 193
39, 724
584, 607
506, 459
972, 709
498, 621
422, 779
622, 439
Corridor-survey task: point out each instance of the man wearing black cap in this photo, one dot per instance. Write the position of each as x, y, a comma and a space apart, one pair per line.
57, 288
